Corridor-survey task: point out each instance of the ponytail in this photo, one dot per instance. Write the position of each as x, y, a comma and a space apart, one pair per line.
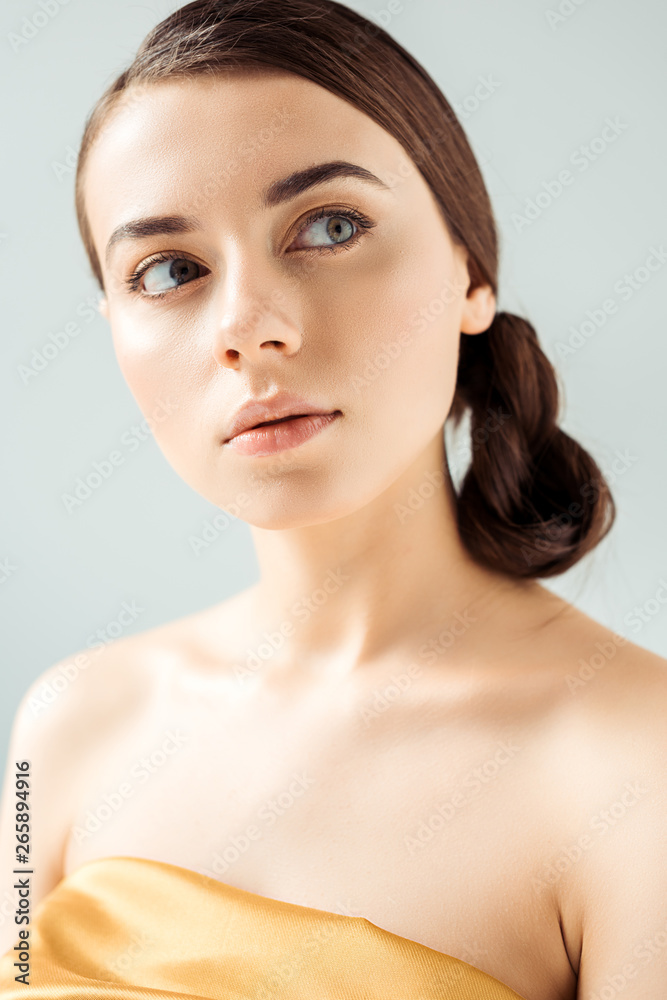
533, 500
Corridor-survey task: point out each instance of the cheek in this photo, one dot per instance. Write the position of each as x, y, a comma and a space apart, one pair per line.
159, 370
140, 358
402, 361
384, 348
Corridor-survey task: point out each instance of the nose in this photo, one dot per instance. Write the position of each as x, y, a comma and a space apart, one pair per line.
256, 321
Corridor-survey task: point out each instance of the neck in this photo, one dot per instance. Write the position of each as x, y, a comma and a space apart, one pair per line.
336, 595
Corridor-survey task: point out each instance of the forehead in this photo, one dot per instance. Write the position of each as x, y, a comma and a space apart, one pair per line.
221, 139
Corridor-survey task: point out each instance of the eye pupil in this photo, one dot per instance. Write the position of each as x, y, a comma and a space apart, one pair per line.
179, 269
176, 269
336, 228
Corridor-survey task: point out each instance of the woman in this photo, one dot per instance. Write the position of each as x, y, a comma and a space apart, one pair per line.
397, 765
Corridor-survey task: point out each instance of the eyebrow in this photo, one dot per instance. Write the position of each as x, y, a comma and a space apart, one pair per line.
277, 192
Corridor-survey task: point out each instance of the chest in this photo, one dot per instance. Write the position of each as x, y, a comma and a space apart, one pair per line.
425, 824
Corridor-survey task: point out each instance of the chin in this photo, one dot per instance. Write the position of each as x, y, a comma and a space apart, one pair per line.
278, 507
293, 498
286, 519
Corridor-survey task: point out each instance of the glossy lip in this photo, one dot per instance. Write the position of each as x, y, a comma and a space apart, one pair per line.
283, 435
282, 404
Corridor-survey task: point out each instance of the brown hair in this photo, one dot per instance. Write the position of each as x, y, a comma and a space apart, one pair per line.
533, 501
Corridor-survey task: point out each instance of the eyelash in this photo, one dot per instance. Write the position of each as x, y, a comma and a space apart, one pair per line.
353, 214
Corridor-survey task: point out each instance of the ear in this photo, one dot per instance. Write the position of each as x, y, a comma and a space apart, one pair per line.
103, 307
479, 309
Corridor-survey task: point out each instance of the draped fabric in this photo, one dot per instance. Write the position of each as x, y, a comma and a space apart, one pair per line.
126, 928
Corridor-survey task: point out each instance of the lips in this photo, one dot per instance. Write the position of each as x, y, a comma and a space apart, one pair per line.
281, 420
281, 435
277, 409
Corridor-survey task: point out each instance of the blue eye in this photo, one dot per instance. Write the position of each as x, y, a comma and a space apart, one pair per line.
337, 228
340, 228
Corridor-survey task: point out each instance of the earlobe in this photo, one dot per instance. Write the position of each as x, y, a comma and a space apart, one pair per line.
479, 309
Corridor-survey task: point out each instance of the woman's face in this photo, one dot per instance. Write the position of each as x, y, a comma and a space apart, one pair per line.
359, 311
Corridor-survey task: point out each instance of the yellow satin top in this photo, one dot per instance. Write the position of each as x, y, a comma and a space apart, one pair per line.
126, 928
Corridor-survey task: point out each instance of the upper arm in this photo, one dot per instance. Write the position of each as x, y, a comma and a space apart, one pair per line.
61, 717
624, 944
37, 740
621, 877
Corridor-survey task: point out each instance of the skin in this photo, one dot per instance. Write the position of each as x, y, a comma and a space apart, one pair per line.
481, 659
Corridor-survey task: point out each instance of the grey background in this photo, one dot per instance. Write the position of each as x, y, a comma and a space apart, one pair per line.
554, 84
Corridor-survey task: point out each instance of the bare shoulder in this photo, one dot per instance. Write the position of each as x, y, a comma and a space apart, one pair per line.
611, 681
613, 696
605, 777
76, 711
91, 689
